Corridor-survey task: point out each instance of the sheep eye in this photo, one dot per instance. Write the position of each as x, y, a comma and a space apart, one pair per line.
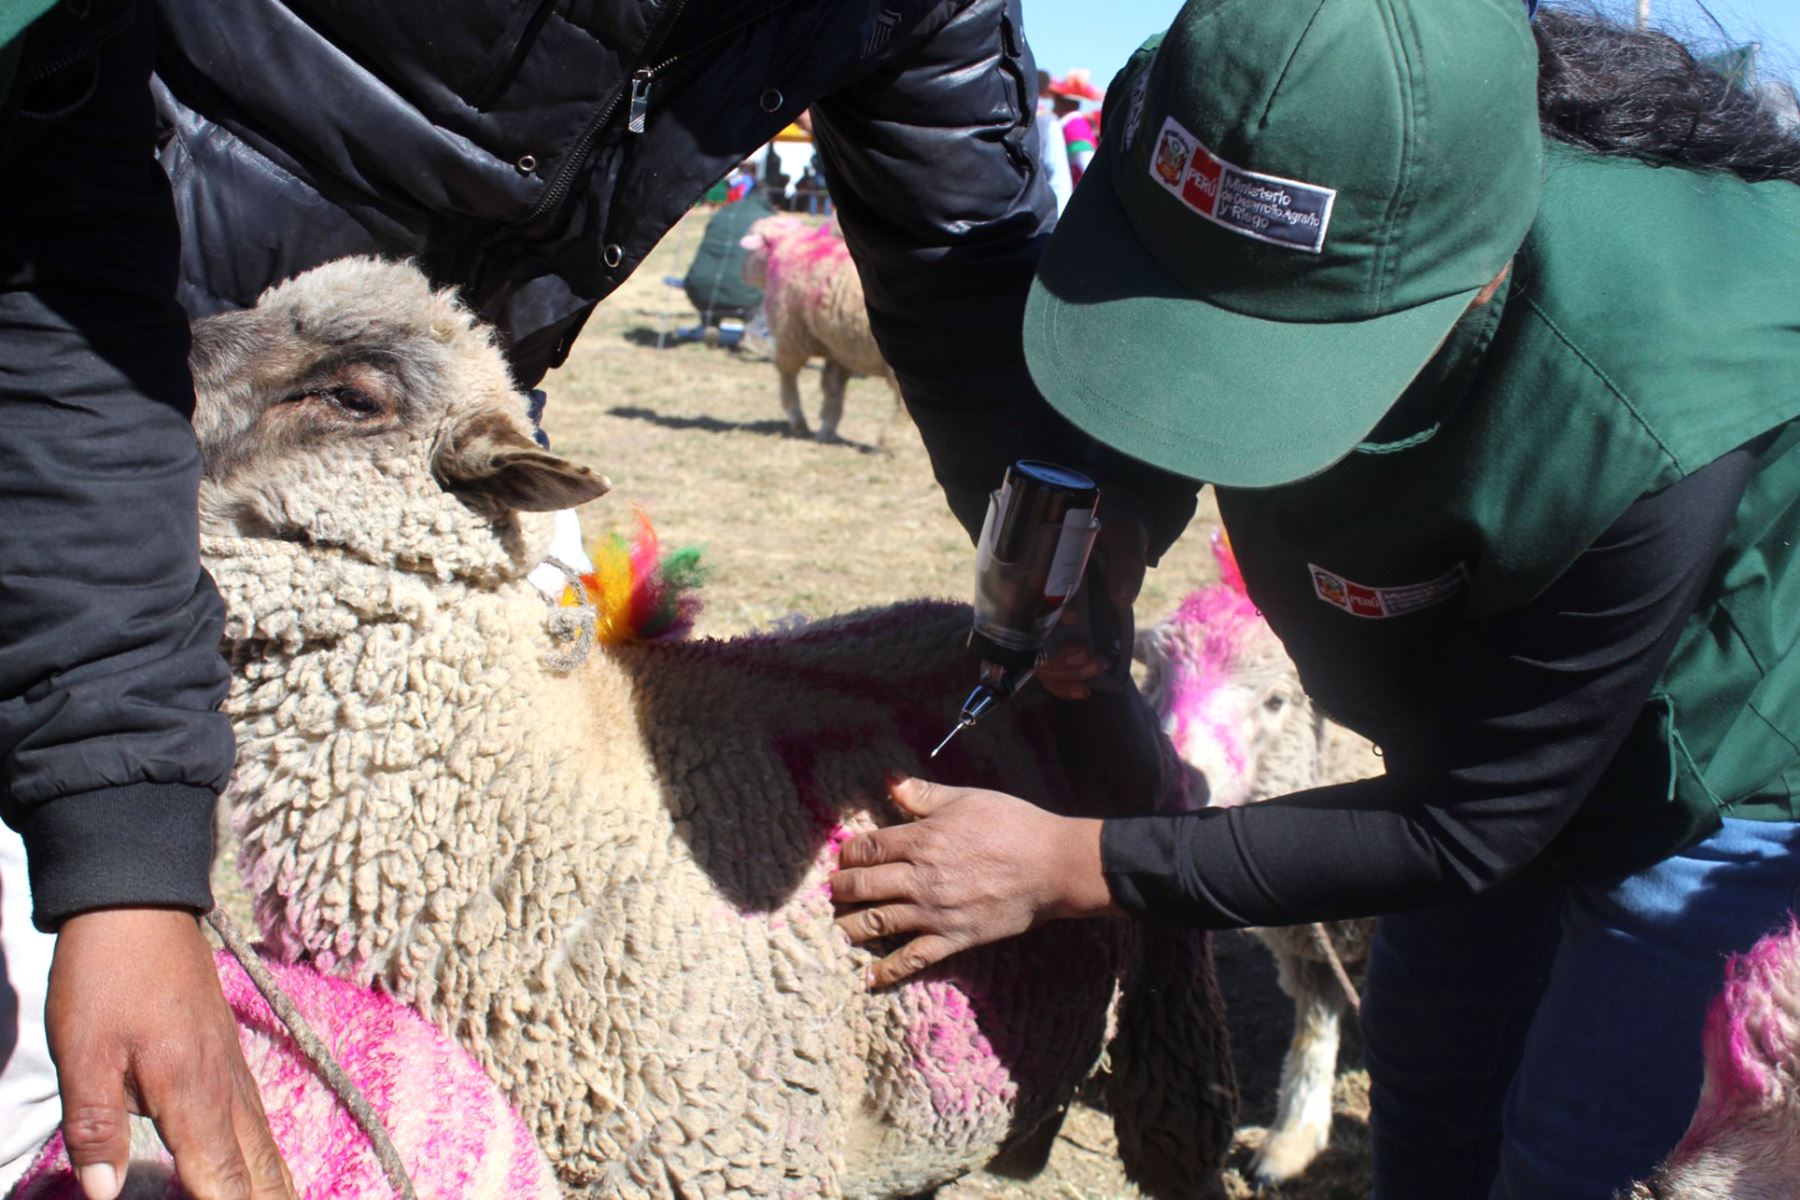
354, 401
1275, 704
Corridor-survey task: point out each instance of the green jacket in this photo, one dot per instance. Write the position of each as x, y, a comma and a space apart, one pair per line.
715, 279
1651, 324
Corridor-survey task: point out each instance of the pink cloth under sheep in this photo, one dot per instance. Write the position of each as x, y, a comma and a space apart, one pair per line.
453, 1128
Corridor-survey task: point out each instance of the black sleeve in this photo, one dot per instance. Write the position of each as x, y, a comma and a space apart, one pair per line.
1529, 709
932, 161
111, 748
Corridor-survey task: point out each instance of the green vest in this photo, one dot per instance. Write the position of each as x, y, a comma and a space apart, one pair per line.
1651, 324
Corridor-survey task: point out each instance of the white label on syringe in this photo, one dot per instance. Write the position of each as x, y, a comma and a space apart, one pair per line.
1072, 546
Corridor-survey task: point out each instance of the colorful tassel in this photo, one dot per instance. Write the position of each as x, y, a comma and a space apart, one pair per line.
640, 593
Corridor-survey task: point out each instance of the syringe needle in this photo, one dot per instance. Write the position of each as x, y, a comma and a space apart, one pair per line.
954, 730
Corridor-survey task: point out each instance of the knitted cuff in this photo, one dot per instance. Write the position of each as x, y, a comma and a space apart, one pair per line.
138, 845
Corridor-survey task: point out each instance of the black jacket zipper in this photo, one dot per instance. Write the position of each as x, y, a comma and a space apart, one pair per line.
559, 187
642, 78
639, 94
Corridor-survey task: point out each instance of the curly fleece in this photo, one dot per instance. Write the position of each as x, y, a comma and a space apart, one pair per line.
610, 884
451, 1127
813, 298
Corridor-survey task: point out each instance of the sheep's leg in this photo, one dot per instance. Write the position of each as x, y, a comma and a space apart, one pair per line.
790, 400
833, 382
1171, 1090
1302, 1125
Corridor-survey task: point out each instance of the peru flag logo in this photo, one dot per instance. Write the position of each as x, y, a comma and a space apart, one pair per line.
1201, 187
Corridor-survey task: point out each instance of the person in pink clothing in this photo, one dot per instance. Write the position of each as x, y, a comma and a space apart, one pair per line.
1081, 128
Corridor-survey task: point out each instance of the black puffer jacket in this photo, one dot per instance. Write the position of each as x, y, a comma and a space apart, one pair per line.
533, 151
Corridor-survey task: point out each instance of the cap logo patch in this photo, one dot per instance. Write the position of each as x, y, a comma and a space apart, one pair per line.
1379, 603
1284, 212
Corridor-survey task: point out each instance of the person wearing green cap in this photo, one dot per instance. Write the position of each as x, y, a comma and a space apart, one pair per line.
1506, 432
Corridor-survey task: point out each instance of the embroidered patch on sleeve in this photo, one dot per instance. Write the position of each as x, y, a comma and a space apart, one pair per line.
1376, 603
1284, 212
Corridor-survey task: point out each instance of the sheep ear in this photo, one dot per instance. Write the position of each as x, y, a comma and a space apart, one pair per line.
487, 458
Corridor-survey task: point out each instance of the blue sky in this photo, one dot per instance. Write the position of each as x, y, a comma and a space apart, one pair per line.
1101, 34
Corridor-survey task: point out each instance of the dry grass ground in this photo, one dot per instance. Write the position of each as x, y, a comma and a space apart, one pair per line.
790, 526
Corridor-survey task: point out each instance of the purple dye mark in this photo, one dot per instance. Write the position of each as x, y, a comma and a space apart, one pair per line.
953, 1058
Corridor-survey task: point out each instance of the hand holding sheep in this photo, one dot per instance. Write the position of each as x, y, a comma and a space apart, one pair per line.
973, 867
161, 1043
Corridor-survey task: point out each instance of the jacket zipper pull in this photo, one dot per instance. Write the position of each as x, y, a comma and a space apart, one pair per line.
640, 100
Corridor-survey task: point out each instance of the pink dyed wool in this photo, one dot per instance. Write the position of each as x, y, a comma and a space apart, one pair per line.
1749, 1110
453, 1128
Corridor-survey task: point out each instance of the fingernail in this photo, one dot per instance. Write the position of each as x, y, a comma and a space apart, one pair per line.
99, 1180
894, 778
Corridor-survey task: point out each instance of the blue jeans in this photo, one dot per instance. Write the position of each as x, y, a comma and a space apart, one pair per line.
1543, 1043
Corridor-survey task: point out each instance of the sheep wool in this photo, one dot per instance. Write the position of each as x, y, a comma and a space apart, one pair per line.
610, 882
1744, 1139
813, 299
454, 1131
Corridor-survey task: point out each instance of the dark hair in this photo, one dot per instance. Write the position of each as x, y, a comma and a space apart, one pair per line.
1614, 89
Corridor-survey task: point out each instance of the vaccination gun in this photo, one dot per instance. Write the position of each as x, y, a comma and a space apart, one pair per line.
1032, 553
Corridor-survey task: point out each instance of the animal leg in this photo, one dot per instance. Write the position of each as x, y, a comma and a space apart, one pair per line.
790, 401
833, 382
1171, 1090
1302, 1124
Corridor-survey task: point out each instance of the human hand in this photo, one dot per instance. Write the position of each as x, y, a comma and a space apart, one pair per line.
974, 867
1095, 628
137, 1024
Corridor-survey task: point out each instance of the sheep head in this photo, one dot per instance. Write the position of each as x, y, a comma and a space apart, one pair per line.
1229, 697
357, 406
1744, 1139
771, 236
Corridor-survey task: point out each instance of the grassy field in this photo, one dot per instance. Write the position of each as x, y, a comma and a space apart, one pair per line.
791, 527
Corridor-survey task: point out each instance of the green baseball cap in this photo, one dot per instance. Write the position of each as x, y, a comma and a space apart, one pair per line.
1292, 203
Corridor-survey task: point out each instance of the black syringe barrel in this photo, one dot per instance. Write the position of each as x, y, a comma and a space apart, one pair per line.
1038, 493
1019, 555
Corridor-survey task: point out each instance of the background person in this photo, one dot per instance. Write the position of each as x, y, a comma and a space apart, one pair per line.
1505, 436
112, 752
714, 282
1053, 150
1080, 128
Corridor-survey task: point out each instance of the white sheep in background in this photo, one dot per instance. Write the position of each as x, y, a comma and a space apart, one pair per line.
452, 1129
1230, 700
1744, 1140
813, 298
609, 881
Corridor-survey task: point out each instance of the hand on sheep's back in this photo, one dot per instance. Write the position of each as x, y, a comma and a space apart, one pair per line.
972, 867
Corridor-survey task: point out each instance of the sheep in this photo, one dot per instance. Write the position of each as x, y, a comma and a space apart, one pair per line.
813, 299
607, 875
1231, 702
1744, 1140
453, 1130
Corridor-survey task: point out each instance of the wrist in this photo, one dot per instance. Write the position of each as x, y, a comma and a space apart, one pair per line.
1080, 881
